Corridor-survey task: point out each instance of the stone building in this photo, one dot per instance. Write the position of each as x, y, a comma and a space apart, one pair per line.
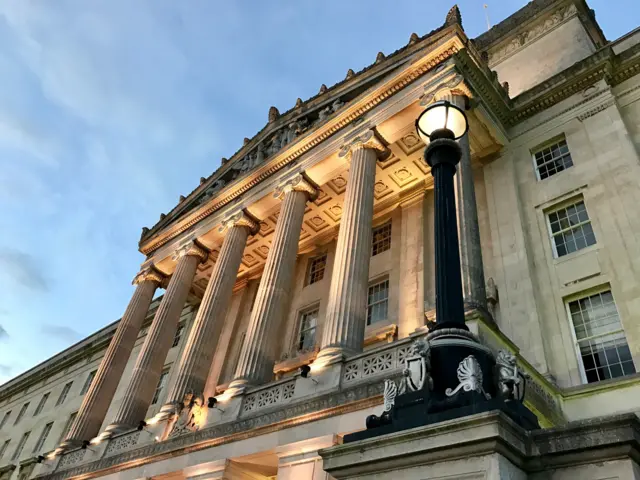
313, 246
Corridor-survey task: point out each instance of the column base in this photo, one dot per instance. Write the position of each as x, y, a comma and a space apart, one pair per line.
115, 429
330, 355
237, 387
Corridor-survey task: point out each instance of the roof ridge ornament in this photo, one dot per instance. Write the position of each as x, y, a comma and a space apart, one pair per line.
323, 88
413, 38
350, 73
380, 57
298, 102
274, 113
453, 16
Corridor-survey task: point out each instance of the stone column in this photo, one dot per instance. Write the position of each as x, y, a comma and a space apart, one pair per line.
473, 282
148, 367
345, 320
258, 353
194, 365
98, 398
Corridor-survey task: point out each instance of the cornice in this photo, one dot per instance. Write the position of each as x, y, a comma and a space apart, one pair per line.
300, 413
351, 113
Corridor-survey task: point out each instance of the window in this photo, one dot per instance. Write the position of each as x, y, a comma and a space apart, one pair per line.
316, 268
87, 382
64, 393
4, 447
570, 229
67, 426
600, 337
21, 413
381, 239
552, 159
20, 446
178, 335
5, 419
161, 383
378, 302
43, 437
42, 403
308, 324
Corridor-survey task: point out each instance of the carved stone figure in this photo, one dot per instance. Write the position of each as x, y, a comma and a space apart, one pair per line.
324, 113
212, 190
508, 376
336, 105
189, 414
416, 373
390, 394
470, 378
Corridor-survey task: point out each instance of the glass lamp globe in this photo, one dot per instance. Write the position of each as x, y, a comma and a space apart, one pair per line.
441, 116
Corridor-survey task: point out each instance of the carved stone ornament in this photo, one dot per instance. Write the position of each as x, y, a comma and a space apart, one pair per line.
417, 367
453, 16
189, 415
150, 274
509, 377
350, 73
413, 38
273, 114
191, 248
241, 219
299, 184
390, 394
367, 140
470, 378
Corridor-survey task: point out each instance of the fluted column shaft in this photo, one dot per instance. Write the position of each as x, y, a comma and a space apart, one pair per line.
258, 353
98, 398
148, 367
345, 320
473, 281
198, 352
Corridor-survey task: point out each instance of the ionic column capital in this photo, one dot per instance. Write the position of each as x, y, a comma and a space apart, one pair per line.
241, 219
193, 249
368, 139
299, 184
149, 274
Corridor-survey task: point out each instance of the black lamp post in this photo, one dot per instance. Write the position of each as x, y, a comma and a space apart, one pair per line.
440, 125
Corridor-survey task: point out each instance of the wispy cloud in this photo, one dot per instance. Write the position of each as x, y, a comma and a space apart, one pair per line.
3, 333
22, 268
61, 332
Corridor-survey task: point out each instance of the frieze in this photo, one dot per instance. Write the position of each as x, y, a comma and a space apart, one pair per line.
338, 403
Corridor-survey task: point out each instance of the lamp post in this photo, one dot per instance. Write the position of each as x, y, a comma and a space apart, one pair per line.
439, 126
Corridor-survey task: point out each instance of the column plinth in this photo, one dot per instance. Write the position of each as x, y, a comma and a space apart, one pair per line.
148, 367
258, 353
194, 365
345, 320
98, 398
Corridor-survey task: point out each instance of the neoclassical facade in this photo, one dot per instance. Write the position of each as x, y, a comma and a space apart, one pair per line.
298, 274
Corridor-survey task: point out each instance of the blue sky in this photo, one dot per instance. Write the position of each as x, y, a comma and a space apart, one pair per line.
111, 109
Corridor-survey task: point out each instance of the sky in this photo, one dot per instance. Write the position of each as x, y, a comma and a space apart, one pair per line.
112, 109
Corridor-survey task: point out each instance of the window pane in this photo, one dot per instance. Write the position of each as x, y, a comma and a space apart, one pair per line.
381, 239
377, 308
553, 159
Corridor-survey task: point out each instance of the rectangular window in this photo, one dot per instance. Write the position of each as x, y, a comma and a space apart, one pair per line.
600, 338
381, 239
316, 268
21, 413
178, 335
5, 419
64, 393
87, 382
307, 335
20, 446
161, 384
378, 302
43, 437
42, 403
4, 447
552, 159
570, 229
67, 426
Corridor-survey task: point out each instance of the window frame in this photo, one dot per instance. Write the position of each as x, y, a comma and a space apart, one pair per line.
373, 283
21, 413
301, 315
310, 271
5, 419
162, 383
4, 447
88, 382
67, 426
177, 337
549, 143
576, 345
570, 202
43, 401
388, 223
46, 430
64, 393
20, 447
